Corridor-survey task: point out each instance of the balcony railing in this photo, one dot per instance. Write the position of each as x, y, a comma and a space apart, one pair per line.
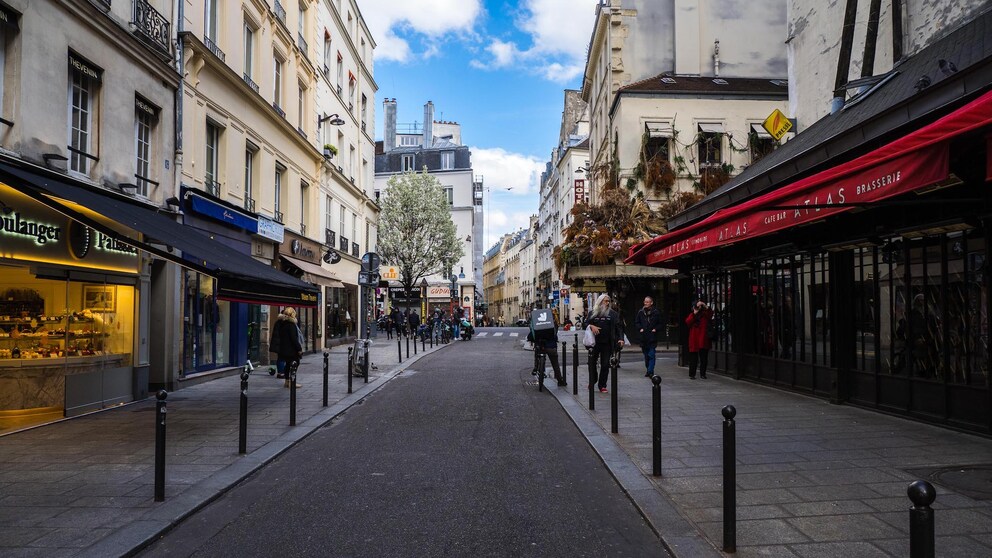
213, 187
327, 72
363, 126
302, 133
212, 47
151, 25
344, 244
340, 91
354, 249
280, 12
279, 110
303, 229
302, 43
279, 217
251, 83
330, 237
250, 204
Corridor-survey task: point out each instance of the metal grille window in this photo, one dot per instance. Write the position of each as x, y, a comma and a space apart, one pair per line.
142, 147
82, 88
211, 174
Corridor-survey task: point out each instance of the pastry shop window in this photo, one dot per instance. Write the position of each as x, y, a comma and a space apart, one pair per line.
52, 318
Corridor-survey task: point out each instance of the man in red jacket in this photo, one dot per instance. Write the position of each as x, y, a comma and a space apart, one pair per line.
699, 341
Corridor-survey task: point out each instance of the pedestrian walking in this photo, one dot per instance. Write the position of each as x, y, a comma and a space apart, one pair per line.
286, 341
414, 321
648, 321
699, 340
605, 325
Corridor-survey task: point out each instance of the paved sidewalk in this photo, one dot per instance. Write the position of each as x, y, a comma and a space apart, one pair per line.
813, 479
85, 487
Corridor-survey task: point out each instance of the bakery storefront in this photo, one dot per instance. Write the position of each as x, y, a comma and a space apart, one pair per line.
68, 315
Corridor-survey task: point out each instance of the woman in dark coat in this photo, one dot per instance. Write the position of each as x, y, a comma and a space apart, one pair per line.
286, 342
699, 341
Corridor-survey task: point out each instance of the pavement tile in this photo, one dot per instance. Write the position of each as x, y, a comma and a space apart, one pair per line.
757, 532
827, 507
70, 538
18, 536
854, 527
764, 551
839, 550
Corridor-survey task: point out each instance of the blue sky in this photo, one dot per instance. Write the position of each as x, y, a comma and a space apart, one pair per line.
498, 68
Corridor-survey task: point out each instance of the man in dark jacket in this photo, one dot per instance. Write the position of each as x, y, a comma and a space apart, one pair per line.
605, 325
648, 322
414, 322
286, 342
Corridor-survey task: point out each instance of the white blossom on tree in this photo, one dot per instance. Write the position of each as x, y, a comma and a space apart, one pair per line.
416, 233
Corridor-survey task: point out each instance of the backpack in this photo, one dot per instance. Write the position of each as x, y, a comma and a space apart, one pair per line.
542, 319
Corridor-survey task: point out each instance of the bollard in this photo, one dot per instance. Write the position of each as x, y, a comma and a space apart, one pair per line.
921, 532
564, 363
656, 425
423, 345
243, 413
729, 479
407, 347
326, 355
366, 361
160, 446
592, 385
415, 345
399, 349
351, 365
575, 366
291, 374
614, 407
432, 338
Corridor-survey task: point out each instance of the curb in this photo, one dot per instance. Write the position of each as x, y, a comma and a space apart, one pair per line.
677, 534
135, 536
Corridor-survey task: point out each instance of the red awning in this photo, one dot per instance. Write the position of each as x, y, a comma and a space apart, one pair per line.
914, 161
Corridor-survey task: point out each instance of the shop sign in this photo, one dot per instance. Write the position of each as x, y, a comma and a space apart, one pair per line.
797, 205
222, 213
82, 65
301, 251
267, 228
580, 191
777, 124
564, 293
438, 292
31, 231
389, 273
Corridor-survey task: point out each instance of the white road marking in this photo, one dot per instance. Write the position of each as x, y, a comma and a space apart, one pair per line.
514, 335
482, 334
498, 334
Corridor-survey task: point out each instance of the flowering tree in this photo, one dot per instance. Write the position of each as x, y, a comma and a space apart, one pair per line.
416, 233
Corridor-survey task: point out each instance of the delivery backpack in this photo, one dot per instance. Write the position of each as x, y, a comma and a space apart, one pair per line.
542, 319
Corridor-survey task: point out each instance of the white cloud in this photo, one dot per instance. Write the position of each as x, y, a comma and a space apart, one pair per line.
502, 169
431, 18
562, 74
502, 220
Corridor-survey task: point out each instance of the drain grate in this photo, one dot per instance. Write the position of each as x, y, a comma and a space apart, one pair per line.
974, 481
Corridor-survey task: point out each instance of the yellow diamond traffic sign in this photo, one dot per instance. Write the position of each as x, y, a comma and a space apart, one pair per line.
777, 124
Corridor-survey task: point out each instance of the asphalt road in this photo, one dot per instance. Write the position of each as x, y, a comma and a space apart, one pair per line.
455, 457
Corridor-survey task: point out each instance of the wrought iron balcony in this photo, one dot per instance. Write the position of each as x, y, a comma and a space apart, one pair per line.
302, 43
354, 249
279, 110
351, 107
327, 72
278, 217
151, 25
339, 90
280, 12
330, 237
303, 229
212, 47
250, 204
344, 245
213, 187
251, 83
363, 126
302, 133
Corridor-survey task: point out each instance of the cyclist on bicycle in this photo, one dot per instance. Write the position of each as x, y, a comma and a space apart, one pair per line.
544, 329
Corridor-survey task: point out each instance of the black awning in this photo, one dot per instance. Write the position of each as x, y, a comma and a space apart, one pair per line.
240, 277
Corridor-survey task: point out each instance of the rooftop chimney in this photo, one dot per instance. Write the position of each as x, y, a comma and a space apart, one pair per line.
429, 125
389, 125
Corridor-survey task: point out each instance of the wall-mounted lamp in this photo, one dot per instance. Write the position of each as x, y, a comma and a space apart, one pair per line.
461, 274
333, 119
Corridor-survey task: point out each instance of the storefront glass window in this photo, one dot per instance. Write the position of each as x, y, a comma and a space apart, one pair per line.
206, 325
341, 311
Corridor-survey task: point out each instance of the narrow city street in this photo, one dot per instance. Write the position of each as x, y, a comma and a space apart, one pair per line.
460, 455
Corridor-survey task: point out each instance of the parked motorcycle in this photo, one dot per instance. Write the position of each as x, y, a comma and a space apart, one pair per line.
467, 330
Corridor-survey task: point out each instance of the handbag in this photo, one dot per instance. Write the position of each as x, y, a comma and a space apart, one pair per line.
626, 342
589, 338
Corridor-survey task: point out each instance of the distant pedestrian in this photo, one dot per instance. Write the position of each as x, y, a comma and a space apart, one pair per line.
414, 321
699, 340
648, 321
286, 341
605, 325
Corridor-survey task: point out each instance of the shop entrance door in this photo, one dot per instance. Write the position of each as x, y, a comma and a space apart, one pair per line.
206, 325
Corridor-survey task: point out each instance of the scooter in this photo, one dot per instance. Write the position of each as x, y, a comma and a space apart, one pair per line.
467, 330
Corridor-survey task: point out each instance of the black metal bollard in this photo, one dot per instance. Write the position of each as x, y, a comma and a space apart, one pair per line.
423, 345
921, 531
243, 413
407, 347
729, 479
351, 367
592, 385
326, 356
399, 349
575, 366
432, 338
292, 391
415, 345
656, 425
614, 407
366, 361
160, 446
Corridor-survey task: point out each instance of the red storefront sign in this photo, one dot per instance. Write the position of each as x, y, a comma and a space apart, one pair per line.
872, 184
580, 191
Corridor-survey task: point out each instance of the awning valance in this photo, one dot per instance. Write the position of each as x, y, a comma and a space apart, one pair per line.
711, 127
914, 161
240, 277
659, 129
312, 273
760, 131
